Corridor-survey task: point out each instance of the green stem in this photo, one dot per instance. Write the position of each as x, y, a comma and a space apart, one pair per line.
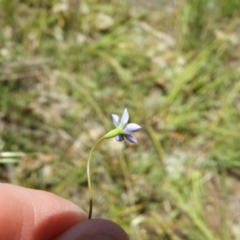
89, 177
112, 133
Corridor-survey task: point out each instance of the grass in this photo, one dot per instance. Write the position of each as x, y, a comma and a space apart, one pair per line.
65, 68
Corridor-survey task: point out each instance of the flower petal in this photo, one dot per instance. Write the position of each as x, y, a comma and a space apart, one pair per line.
132, 127
125, 118
115, 119
131, 138
119, 138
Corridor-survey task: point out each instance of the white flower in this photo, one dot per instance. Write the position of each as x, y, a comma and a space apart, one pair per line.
127, 129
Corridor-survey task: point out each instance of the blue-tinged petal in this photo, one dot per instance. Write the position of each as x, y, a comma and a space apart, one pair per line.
125, 118
131, 138
132, 127
115, 119
119, 138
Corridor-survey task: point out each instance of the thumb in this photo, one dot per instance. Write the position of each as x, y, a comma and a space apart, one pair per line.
94, 229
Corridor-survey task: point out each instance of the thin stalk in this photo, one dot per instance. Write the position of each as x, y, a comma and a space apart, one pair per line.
89, 178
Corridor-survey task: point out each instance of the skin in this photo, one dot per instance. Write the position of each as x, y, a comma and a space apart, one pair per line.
36, 215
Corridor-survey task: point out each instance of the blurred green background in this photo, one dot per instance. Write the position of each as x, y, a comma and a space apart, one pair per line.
67, 65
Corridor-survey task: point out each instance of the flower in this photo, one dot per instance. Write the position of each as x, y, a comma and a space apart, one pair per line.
125, 128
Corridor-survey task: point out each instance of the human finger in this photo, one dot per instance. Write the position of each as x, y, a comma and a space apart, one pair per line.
34, 214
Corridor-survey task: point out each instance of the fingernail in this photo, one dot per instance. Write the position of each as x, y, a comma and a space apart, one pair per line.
94, 229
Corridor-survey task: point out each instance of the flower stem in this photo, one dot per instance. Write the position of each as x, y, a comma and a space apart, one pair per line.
89, 177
